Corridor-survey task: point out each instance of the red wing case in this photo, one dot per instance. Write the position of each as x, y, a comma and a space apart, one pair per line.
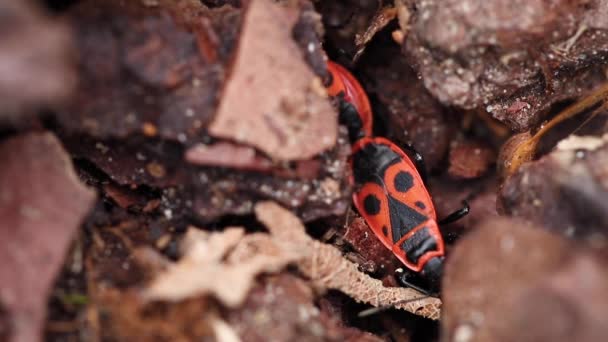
394, 202
342, 81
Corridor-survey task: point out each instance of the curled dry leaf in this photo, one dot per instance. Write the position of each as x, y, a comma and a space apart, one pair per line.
42, 204
201, 269
516, 151
522, 147
271, 99
403, 15
328, 269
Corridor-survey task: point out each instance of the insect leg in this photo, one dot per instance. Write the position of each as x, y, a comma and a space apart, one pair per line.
457, 215
419, 160
402, 280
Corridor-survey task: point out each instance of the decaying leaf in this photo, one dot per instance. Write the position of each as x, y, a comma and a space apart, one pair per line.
403, 15
201, 269
225, 154
272, 100
212, 260
522, 147
42, 204
328, 269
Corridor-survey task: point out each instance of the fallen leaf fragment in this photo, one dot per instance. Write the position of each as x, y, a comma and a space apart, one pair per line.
269, 99
202, 271
378, 259
225, 154
328, 269
42, 204
521, 148
212, 260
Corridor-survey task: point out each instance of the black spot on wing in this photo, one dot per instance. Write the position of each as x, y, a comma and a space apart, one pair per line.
418, 244
420, 205
403, 218
404, 181
385, 231
371, 204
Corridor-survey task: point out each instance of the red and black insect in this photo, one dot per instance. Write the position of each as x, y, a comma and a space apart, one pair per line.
355, 110
390, 192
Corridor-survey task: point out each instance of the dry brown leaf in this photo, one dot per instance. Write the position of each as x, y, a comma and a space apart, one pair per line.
204, 247
328, 269
225, 154
42, 203
212, 260
202, 271
522, 147
269, 99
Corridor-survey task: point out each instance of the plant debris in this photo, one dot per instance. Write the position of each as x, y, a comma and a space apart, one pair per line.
327, 268
42, 204
224, 180
200, 270
522, 147
286, 117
